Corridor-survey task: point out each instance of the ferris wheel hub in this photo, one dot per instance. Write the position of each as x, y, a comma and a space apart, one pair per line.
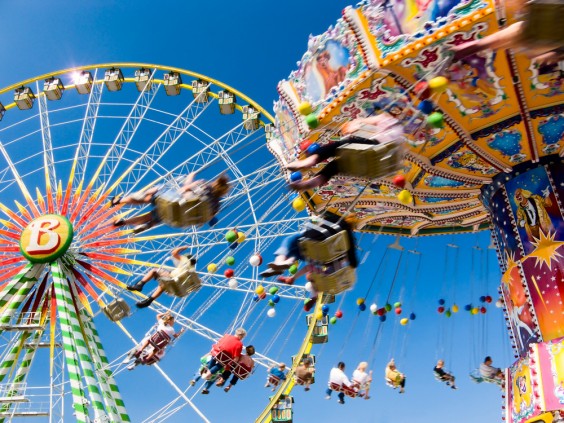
46, 238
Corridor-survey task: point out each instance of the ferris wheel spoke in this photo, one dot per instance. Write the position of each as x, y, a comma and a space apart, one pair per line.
173, 132
48, 159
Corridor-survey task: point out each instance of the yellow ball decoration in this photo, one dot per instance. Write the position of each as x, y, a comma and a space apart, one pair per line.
475, 310
405, 197
212, 268
259, 290
241, 237
438, 84
305, 108
454, 308
299, 204
404, 321
359, 301
384, 189
319, 315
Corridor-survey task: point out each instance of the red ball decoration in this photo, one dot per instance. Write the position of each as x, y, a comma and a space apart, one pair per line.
483, 310
422, 90
305, 144
441, 309
338, 314
399, 181
398, 310
381, 311
229, 273
262, 296
488, 299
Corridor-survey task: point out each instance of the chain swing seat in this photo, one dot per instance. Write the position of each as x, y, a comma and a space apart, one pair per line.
181, 211
116, 310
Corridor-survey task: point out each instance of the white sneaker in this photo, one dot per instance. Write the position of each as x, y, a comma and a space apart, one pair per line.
327, 397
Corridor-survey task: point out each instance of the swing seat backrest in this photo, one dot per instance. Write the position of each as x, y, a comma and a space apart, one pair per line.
543, 24
328, 250
242, 372
180, 212
335, 283
116, 310
182, 285
159, 340
391, 383
370, 161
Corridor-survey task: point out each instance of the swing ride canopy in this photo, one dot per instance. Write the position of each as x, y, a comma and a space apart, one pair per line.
499, 113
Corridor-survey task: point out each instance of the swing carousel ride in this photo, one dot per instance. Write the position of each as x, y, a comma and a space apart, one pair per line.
484, 137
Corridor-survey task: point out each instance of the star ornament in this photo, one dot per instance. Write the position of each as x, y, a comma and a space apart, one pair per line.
546, 249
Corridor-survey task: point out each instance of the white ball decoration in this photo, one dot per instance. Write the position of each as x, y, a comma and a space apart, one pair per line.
232, 283
308, 287
255, 260
499, 303
373, 308
271, 312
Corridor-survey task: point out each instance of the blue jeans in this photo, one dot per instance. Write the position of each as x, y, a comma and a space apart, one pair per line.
341, 395
289, 247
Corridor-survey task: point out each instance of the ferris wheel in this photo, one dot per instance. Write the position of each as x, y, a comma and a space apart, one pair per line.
72, 140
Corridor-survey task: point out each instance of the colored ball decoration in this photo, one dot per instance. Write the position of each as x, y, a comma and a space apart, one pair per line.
435, 120
313, 149
426, 106
312, 121
439, 84
305, 144
325, 308
231, 236
441, 302
212, 268
488, 299
271, 312
256, 298
448, 313
229, 273
398, 311
259, 289
262, 296
468, 307
399, 181
454, 308
255, 260
293, 269
483, 299
232, 283
397, 304
305, 108
388, 307
233, 245
412, 316
298, 204
241, 237
359, 301
271, 303
230, 261
483, 310
475, 310
422, 90
499, 303
405, 197
319, 315
276, 298
362, 307
338, 314
381, 311
441, 309
308, 287
382, 318
404, 321
295, 176
333, 320
373, 308
273, 290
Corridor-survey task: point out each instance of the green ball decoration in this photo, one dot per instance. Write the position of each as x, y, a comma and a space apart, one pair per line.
271, 303
312, 121
388, 307
448, 313
273, 290
230, 261
397, 304
333, 320
435, 120
231, 236
293, 269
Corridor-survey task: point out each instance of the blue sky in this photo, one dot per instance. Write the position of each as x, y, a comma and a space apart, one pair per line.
251, 45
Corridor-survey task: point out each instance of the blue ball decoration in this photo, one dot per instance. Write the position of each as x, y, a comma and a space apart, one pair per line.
468, 307
234, 245
412, 316
312, 149
441, 302
483, 299
426, 106
256, 298
362, 307
213, 222
296, 176
382, 318
325, 308
275, 298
